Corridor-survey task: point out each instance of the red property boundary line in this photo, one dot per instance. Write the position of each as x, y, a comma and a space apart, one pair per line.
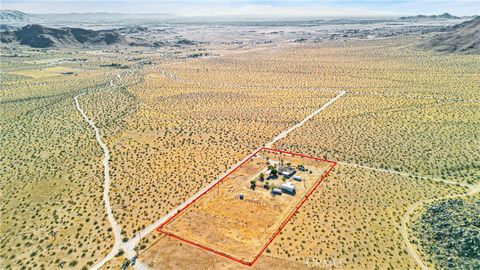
159, 229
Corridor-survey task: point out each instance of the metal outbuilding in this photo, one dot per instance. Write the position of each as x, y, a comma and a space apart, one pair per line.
288, 187
276, 191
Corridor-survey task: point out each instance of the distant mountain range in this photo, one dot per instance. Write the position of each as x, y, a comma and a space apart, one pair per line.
443, 16
20, 18
39, 36
461, 38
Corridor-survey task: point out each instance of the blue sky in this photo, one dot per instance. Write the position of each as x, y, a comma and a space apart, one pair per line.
253, 8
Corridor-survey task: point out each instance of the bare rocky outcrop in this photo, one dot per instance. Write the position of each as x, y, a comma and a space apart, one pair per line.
461, 38
444, 16
39, 36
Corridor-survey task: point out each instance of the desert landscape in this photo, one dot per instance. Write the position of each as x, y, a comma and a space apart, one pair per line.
150, 142
240, 216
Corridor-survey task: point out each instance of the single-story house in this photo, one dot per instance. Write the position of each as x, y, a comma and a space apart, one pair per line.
287, 172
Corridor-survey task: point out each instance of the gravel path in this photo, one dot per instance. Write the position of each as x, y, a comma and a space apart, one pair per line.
106, 188
284, 134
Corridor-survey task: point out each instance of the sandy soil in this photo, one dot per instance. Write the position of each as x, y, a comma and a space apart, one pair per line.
219, 220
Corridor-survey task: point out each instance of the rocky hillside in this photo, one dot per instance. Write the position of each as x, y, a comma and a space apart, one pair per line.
461, 38
448, 233
12, 16
39, 36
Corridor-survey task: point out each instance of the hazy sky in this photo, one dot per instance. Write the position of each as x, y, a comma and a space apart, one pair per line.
252, 8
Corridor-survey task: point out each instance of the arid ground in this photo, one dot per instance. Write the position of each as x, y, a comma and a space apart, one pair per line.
240, 227
100, 145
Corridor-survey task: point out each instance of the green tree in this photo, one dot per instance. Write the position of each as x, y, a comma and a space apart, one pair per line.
267, 185
273, 170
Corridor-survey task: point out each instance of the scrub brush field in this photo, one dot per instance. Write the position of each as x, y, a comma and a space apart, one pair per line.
100, 147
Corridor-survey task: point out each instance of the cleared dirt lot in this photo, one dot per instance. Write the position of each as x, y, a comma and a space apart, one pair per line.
169, 253
240, 216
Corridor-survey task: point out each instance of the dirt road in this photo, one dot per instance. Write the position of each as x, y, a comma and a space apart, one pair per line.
129, 247
406, 218
284, 134
106, 186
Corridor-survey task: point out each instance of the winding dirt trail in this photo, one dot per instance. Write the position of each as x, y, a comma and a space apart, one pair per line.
106, 189
406, 218
130, 246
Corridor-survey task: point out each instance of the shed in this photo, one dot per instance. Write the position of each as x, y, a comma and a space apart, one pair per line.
297, 178
276, 191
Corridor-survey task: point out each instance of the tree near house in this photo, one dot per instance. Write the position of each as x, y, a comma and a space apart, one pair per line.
273, 170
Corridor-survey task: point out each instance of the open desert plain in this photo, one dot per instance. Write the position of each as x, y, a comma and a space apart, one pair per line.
159, 141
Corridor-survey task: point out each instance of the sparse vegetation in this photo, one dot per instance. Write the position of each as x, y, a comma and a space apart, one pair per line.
227, 224
175, 118
52, 182
416, 115
448, 233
